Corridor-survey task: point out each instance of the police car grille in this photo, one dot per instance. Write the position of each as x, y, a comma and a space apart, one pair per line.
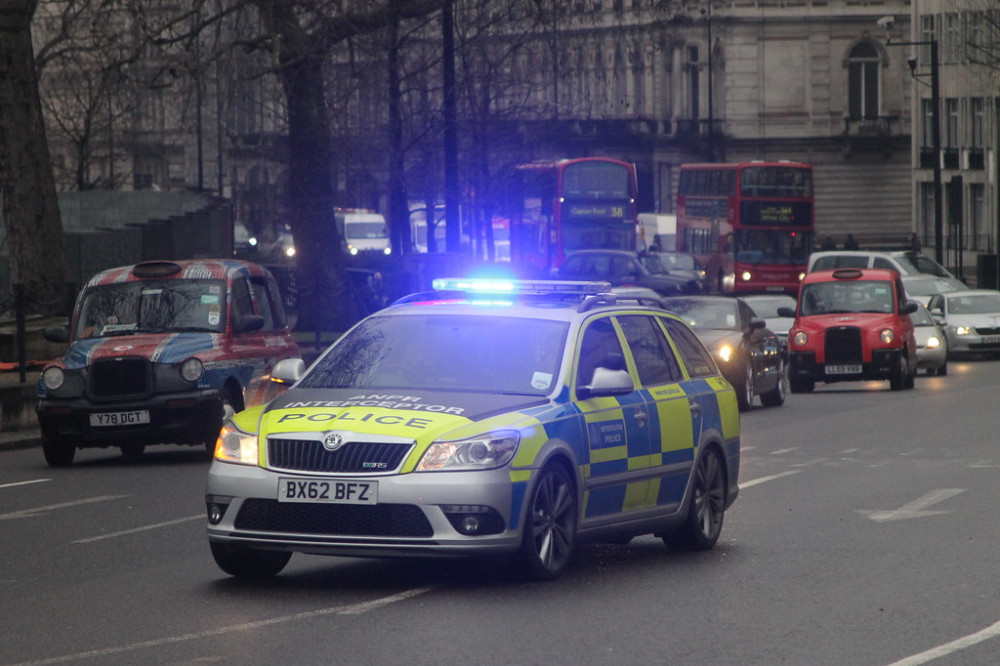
305, 455
843, 345
119, 378
382, 520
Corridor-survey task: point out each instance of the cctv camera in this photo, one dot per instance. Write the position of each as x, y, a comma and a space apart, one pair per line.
886, 22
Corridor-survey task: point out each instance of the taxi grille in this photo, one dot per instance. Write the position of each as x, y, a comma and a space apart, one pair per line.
843, 345
307, 455
120, 377
381, 520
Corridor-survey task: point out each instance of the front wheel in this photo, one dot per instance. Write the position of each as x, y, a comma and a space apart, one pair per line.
550, 530
776, 397
58, 452
247, 562
707, 509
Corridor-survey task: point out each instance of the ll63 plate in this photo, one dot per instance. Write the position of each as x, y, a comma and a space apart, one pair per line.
327, 491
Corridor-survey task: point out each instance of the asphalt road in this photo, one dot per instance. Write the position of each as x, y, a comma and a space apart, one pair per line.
866, 533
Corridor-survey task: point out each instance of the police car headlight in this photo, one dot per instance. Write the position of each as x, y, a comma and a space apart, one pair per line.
236, 446
724, 353
486, 452
886, 335
191, 369
800, 338
53, 378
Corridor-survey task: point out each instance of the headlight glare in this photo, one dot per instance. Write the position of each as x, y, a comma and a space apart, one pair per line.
800, 338
191, 369
724, 353
745, 275
236, 446
486, 452
963, 330
53, 378
933, 342
887, 336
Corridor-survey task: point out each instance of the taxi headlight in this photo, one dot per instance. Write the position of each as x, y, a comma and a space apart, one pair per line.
800, 338
485, 452
724, 353
191, 370
887, 336
963, 330
236, 446
933, 342
53, 378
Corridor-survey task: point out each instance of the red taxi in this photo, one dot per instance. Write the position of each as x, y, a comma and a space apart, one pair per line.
850, 325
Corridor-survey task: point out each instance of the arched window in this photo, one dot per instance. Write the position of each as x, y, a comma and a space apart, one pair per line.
862, 80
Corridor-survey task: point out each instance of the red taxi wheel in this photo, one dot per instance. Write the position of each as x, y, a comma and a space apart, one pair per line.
550, 527
58, 451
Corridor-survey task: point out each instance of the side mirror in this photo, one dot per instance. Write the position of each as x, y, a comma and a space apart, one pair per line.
248, 323
787, 312
56, 334
607, 382
909, 308
288, 371
757, 322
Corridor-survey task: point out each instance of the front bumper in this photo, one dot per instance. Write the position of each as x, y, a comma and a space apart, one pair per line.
417, 514
883, 365
179, 418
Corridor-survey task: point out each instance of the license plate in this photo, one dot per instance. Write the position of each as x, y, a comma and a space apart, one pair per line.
843, 369
327, 491
109, 419
990, 339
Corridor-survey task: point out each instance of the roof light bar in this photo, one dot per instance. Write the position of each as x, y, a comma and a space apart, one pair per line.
497, 286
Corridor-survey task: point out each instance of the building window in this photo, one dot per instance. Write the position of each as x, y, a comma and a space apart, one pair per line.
862, 81
927, 35
694, 87
953, 46
951, 122
927, 127
927, 210
977, 193
977, 110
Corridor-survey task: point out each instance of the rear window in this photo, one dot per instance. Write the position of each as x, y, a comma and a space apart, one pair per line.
831, 262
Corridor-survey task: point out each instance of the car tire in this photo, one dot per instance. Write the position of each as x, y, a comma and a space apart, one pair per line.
549, 532
799, 385
943, 370
58, 452
132, 449
248, 562
707, 508
776, 397
897, 382
744, 395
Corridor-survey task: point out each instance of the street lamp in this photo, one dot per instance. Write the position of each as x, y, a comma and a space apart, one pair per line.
886, 22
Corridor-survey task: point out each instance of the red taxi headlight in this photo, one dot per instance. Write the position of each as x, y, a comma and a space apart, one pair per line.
800, 338
887, 336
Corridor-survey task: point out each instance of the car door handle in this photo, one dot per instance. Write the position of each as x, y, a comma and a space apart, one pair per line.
640, 418
695, 408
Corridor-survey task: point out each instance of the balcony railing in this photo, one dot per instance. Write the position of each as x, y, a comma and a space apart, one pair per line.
873, 127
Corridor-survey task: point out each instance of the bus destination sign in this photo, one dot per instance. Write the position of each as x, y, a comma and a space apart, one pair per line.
596, 210
765, 213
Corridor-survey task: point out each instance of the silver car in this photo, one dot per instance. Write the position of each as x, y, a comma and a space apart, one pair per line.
920, 288
932, 346
970, 319
766, 306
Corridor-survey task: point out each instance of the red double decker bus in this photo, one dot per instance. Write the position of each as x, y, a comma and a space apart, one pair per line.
751, 224
571, 204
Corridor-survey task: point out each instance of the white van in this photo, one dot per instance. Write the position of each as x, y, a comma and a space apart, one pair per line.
905, 263
363, 231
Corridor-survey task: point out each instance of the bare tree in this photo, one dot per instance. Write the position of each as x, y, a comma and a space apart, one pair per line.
30, 206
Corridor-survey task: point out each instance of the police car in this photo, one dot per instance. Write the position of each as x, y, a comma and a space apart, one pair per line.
485, 418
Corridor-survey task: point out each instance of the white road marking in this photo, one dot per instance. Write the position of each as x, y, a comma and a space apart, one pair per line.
854, 450
354, 609
30, 513
200, 516
23, 483
986, 634
788, 450
915, 509
765, 479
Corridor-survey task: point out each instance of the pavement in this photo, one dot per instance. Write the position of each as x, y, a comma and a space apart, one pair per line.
22, 432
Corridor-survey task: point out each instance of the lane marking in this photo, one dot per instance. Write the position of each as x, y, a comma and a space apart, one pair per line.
788, 450
765, 479
31, 513
144, 528
986, 634
23, 483
916, 508
353, 609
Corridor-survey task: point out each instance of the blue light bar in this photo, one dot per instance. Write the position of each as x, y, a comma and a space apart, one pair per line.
523, 287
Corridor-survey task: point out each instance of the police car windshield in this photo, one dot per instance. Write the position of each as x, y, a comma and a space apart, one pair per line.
475, 353
157, 306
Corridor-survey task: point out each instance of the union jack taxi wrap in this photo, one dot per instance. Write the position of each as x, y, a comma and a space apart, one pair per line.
522, 426
162, 352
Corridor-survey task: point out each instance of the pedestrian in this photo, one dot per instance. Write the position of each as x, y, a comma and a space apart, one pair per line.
655, 247
850, 243
828, 244
914, 243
